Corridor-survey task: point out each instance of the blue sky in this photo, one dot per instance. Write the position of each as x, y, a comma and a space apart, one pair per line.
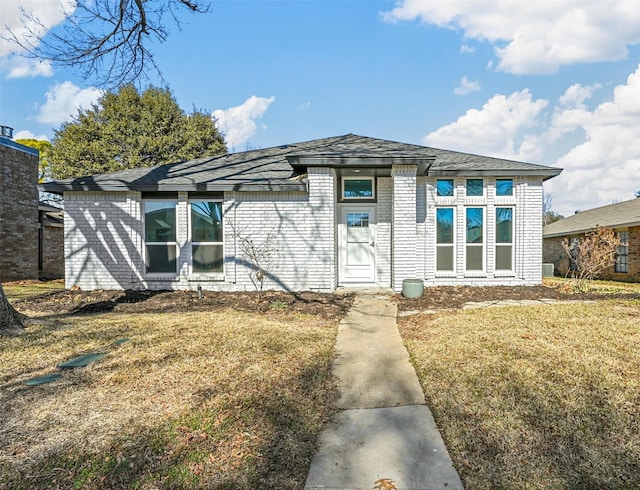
555, 82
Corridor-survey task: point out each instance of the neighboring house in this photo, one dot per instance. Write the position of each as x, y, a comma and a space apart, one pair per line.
18, 209
342, 211
50, 241
623, 218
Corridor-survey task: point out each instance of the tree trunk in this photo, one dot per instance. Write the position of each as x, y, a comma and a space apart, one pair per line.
11, 322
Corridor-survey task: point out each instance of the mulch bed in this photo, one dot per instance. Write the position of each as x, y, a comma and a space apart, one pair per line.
330, 306
77, 302
456, 296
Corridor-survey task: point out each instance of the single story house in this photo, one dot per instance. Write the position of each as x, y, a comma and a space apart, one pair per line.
622, 217
340, 211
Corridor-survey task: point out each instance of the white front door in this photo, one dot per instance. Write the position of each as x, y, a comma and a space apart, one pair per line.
357, 245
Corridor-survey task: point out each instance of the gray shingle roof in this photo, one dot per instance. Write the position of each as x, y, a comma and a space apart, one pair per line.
280, 168
620, 215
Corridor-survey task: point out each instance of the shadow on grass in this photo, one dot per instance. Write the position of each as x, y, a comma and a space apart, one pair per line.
546, 441
265, 439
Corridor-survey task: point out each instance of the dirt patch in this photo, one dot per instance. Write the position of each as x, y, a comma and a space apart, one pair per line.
79, 302
456, 296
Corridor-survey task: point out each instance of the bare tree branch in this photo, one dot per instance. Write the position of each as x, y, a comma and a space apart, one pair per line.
107, 40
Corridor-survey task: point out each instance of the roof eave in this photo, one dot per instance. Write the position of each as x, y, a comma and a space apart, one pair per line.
545, 173
580, 231
60, 188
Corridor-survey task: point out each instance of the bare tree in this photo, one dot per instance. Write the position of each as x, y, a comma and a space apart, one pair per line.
548, 215
591, 255
107, 40
259, 254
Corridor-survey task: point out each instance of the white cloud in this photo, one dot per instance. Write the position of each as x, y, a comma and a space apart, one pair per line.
465, 48
498, 129
49, 13
598, 146
467, 86
25, 134
21, 67
535, 37
605, 166
238, 123
63, 102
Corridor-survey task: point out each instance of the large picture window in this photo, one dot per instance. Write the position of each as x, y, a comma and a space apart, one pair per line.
207, 250
475, 239
161, 246
504, 239
622, 254
444, 239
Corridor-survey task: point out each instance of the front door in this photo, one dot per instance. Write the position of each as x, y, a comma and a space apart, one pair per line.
357, 245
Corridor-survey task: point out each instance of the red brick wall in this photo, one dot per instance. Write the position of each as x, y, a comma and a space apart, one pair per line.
553, 253
18, 214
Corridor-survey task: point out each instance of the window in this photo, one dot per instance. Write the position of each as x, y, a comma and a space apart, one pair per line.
504, 239
161, 246
358, 188
444, 239
475, 187
444, 187
622, 254
504, 187
475, 239
207, 250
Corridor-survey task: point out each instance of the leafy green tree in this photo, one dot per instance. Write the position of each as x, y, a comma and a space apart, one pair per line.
44, 147
127, 129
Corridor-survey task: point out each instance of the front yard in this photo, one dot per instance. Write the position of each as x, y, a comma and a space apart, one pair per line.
228, 392
535, 396
209, 399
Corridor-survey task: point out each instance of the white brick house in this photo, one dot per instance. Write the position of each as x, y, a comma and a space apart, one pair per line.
339, 211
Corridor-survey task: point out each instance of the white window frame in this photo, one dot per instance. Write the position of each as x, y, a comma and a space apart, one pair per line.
482, 246
145, 242
216, 274
363, 198
453, 245
505, 244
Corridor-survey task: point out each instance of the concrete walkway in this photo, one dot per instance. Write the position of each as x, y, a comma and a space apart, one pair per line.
383, 428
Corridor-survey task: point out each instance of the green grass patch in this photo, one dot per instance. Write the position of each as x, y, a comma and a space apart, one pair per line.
220, 399
30, 289
535, 397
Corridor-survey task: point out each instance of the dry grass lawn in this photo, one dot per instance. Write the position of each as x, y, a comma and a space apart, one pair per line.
535, 397
221, 399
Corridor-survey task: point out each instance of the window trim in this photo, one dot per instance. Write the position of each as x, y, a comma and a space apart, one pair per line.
453, 245
191, 243
482, 245
167, 275
625, 265
505, 244
363, 198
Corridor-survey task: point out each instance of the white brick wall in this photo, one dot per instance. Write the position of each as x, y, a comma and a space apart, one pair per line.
104, 236
383, 231
404, 234
527, 233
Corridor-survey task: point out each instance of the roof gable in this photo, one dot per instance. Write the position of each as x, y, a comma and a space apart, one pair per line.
281, 168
